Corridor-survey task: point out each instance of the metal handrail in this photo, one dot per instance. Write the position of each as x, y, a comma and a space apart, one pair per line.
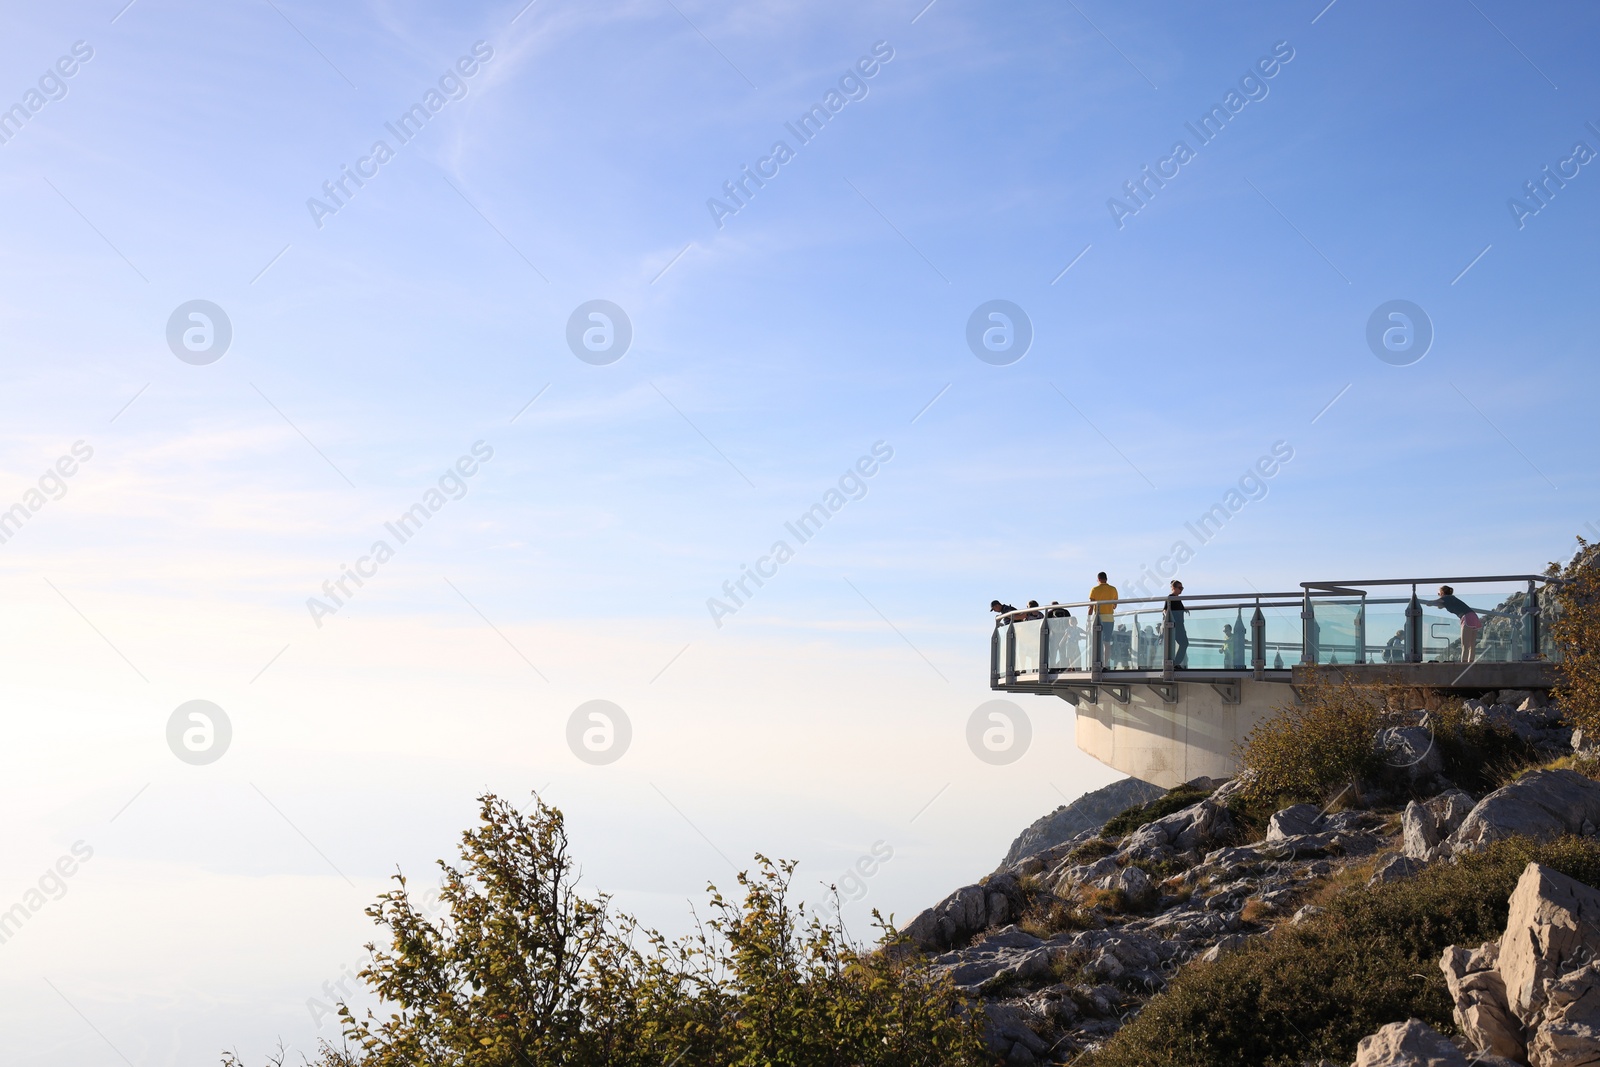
1020, 615
1336, 586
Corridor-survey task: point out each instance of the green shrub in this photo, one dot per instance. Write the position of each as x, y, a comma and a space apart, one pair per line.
1307, 751
1576, 630
525, 970
1313, 990
1475, 757
1136, 816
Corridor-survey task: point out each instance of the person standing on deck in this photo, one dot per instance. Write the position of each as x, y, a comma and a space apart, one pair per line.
1180, 634
1471, 625
1104, 592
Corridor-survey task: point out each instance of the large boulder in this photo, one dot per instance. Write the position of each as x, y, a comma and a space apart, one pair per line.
1412, 1043
1294, 821
1554, 925
1539, 805
1569, 1025
1479, 994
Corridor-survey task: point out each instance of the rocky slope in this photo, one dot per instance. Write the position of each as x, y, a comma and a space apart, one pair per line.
1089, 812
1070, 937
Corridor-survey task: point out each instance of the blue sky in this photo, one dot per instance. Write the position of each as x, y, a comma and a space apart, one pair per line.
768, 355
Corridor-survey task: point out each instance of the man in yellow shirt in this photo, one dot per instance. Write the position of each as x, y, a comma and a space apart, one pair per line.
1107, 592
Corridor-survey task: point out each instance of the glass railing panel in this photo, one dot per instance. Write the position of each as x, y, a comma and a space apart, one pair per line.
1284, 636
1218, 637
1069, 642
1549, 611
1131, 638
1386, 629
1336, 628
1025, 637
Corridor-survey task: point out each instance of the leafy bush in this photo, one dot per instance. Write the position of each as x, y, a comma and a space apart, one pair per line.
1135, 817
1313, 990
1576, 630
1308, 750
1477, 758
526, 970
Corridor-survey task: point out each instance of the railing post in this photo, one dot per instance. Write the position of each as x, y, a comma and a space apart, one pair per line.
1414, 629
1258, 641
994, 657
1096, 661
1533, 620
1308, 631
1044, 647
1166, 640
1011, 653
1361, 630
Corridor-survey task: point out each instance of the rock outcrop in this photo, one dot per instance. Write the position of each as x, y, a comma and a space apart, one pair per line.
1474, 982
1412, 1043
1078, 929
1569, 1027
1088, 812
1534, 996
1540, 805
1425, 825
1554, 923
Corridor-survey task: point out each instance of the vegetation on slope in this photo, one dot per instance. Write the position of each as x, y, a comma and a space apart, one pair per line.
524, 969
1576, 629
1315, 989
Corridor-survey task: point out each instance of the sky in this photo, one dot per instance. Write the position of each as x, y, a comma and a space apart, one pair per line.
232, 369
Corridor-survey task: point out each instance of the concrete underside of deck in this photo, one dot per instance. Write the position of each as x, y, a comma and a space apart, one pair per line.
1168, 744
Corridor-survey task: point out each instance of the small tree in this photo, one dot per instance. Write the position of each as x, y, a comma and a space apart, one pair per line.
525, 971
500, 981
1576, 630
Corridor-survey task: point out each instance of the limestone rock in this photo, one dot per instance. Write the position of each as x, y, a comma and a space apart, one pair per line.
1065, 878
1233, 786
1539, 805
1296, 821
1225, 946
1412, 1043
1193, 829
1410, 749
1568, 1034
1425, 825
1554, 925
1394, 868
968, 911
1088, 812
1480, 999
1008, 1034
1135, 884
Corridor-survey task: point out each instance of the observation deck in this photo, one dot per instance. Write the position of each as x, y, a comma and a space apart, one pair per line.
1167, 695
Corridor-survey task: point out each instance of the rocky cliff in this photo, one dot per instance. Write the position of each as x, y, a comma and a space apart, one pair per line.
1076, 931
